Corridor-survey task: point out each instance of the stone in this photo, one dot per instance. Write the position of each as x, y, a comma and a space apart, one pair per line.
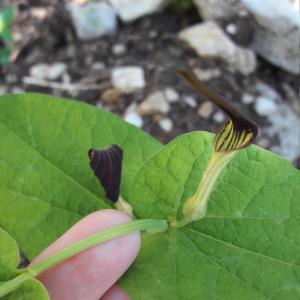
217, 9
153, 104
284, 124
219, 117
119, 49
205, 110
207, 74
276, 36
110, 96
166, 124
171, 94
231, 29
48, 72
247, 99
134, 118
39, 71
128, 79
208, 40
98, 66
264, 106
129, 10
56, 70
92, 20
190, 101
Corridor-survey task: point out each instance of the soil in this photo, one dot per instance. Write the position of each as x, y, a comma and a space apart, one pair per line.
151, 42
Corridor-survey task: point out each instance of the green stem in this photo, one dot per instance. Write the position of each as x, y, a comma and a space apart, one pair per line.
91, 241
11, 285
95, 239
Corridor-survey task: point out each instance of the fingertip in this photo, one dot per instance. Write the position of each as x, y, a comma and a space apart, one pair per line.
91, 273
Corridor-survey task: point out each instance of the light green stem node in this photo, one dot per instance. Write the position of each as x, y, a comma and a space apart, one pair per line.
195, 207
150, 226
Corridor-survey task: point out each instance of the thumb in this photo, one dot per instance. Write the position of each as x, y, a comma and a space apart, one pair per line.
89, 274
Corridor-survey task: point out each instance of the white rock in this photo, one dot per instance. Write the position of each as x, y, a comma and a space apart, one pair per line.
231, 28
247, 99
283, 123
205, 110
128, 79
171, 94
39, 71
208, 40
155, 103
190, 101
129, 10
264, 106
134, 118
98, 66
166, 124
119, 49
92, 20
276, 32
49, 72
285, 126
215, 9
267, 90
207, 74
56, 70
219, 117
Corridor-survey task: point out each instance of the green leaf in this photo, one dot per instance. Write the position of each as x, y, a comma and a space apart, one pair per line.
9, 256
6, 19
247, 246
31, 289
46, 184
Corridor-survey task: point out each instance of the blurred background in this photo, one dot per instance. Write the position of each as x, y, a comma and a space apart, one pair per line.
120, 55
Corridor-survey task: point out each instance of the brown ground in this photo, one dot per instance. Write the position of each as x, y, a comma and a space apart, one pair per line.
151, 42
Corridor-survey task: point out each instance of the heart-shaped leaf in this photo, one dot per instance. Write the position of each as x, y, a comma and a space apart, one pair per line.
247, 246
46, 184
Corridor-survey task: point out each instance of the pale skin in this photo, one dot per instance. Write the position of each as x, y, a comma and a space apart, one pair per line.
92, 274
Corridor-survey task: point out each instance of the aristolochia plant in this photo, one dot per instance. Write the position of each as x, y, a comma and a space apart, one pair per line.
221, 219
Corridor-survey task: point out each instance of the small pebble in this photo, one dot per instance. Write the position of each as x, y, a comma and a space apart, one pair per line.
207, 74
110, 96
56, 70
155, 103
119, 49
264, 106
128, 79
171, 95
247, 99
205, 110
190, 101
98, 66
166, 124
231, 28
219, 117
134, 118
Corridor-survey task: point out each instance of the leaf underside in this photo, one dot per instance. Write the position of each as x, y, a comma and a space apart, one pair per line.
247, 247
